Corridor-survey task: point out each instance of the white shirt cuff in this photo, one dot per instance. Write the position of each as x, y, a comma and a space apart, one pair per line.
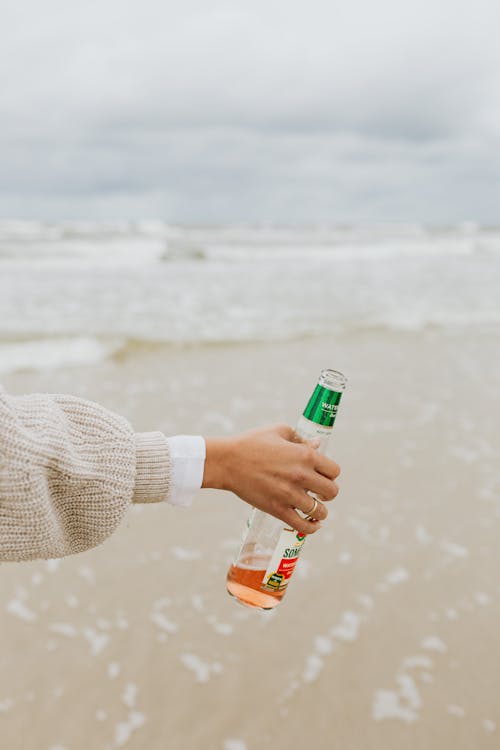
187, 453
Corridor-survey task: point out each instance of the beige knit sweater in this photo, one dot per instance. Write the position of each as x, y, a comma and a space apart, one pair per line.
69, 469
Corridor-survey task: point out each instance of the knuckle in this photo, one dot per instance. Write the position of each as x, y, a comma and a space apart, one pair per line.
283, 430
302, 452
282, 494
298, 475
309, 455
275, 505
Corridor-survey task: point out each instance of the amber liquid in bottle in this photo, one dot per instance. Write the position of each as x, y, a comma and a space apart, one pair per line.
245, 583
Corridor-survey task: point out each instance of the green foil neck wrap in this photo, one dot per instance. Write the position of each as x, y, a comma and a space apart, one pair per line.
322, 407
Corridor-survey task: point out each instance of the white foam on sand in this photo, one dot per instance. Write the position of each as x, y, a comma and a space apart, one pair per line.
121, 621
314, 665
18, 608
181, 553
203, 670
482, 599
129, 695
197, 602
162, 622
408, 691
124, 729
365, 600
113, 670
403, 705
234, 744
97, 641
398, 575
160, 619
418, 661
222, 628
346, 631
434, 643
345, 558
162, 602
455, 710
63, 628
87, 574
5, 705
348, 628
387, 705
395, 577
422, 535
455, 550
323, 645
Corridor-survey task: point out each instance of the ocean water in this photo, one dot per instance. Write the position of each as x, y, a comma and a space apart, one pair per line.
76, 293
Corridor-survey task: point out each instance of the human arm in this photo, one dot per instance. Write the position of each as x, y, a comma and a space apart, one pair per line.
69, 469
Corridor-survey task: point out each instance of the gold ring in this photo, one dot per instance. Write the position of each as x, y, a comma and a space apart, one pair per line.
312, 510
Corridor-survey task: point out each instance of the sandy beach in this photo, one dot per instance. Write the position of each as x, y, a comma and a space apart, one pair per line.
387, 637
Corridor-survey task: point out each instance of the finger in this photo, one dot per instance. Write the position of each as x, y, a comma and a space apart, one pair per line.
312, 507
321, 486
326, 466
293, 437
288, 433
302, 525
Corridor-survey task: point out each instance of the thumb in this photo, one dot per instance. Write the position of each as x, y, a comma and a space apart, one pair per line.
288, 433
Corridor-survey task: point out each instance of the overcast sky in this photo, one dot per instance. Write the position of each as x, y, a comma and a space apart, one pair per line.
263, 110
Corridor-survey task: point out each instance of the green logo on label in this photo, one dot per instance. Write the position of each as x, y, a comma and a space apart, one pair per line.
322, 407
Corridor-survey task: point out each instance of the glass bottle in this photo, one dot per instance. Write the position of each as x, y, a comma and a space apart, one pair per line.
269, 551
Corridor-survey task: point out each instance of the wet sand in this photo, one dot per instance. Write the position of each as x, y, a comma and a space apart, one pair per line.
388, 636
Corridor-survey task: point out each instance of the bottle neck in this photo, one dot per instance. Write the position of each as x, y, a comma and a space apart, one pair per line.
333, 380
323, 405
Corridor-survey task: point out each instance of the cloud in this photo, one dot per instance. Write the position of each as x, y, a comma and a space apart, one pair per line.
271, 110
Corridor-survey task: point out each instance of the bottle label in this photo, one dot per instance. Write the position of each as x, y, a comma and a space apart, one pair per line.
283, 561
323, 406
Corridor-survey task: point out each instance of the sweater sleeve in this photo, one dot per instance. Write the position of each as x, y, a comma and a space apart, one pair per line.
69, 469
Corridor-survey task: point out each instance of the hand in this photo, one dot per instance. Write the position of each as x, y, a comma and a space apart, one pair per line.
273, 469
